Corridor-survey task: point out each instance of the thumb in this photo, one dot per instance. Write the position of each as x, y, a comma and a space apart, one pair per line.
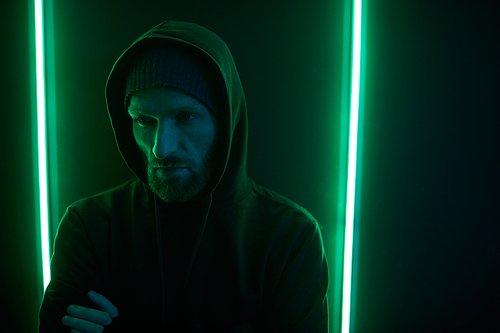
103, 303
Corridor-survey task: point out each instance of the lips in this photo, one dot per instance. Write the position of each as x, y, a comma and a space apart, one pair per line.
169, 167
169, 171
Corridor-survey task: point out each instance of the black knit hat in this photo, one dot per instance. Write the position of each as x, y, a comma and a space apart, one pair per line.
173, 66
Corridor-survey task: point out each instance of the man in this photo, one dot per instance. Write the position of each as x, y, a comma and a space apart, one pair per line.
192, 244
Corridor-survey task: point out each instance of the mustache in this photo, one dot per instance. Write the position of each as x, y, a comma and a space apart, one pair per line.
169, 162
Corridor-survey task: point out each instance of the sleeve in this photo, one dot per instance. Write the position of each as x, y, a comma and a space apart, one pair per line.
299, 302
74, 271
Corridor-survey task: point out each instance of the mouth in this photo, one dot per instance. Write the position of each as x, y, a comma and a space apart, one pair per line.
170, 170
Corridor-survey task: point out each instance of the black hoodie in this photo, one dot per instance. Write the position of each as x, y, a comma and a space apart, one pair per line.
240, 259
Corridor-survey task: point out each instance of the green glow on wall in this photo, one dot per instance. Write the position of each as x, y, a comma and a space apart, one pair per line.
42, 140
352, 157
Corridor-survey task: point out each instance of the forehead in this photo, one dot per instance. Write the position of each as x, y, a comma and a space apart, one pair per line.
158, 101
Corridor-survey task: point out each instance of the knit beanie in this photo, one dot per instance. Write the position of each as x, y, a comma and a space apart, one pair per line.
173, 66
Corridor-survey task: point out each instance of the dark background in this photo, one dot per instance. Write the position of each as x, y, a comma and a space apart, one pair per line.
428, 257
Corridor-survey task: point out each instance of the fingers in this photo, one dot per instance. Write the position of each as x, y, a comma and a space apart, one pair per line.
81, 325
87, 320
91, 315
103, 303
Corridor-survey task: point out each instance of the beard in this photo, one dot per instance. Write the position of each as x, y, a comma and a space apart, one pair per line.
179, 188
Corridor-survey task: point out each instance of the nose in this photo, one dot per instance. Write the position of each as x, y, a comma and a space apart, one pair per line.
166, 142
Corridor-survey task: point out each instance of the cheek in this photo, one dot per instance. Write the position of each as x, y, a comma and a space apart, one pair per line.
142, 139
209, 138
217, 136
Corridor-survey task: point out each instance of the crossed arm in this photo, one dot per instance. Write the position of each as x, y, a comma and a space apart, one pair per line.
87, 320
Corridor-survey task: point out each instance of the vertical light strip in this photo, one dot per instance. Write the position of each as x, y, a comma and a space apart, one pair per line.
42, 139
351, 170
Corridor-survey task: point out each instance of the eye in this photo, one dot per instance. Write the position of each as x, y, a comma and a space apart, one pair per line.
186, 117
144, 121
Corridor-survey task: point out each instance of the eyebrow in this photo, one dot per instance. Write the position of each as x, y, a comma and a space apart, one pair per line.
135, 112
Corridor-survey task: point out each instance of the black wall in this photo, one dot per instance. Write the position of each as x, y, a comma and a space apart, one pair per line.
428, 255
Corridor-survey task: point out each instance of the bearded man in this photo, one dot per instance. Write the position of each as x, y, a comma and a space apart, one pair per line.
191, 244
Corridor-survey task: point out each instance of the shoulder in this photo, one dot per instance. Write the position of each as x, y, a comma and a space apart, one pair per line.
128, 194
111, 209
290, 231
272, 218
272, 203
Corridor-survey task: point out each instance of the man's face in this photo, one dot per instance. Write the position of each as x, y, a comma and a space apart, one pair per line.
176, 134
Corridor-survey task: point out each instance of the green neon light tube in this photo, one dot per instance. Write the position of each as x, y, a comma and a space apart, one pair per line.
42, 140
351, 171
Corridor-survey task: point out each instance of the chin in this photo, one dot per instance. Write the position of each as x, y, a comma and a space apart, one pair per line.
175, 191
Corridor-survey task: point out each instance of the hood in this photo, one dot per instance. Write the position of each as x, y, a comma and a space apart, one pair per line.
230, 181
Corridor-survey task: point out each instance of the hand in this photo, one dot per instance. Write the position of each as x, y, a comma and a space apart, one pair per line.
88, 320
